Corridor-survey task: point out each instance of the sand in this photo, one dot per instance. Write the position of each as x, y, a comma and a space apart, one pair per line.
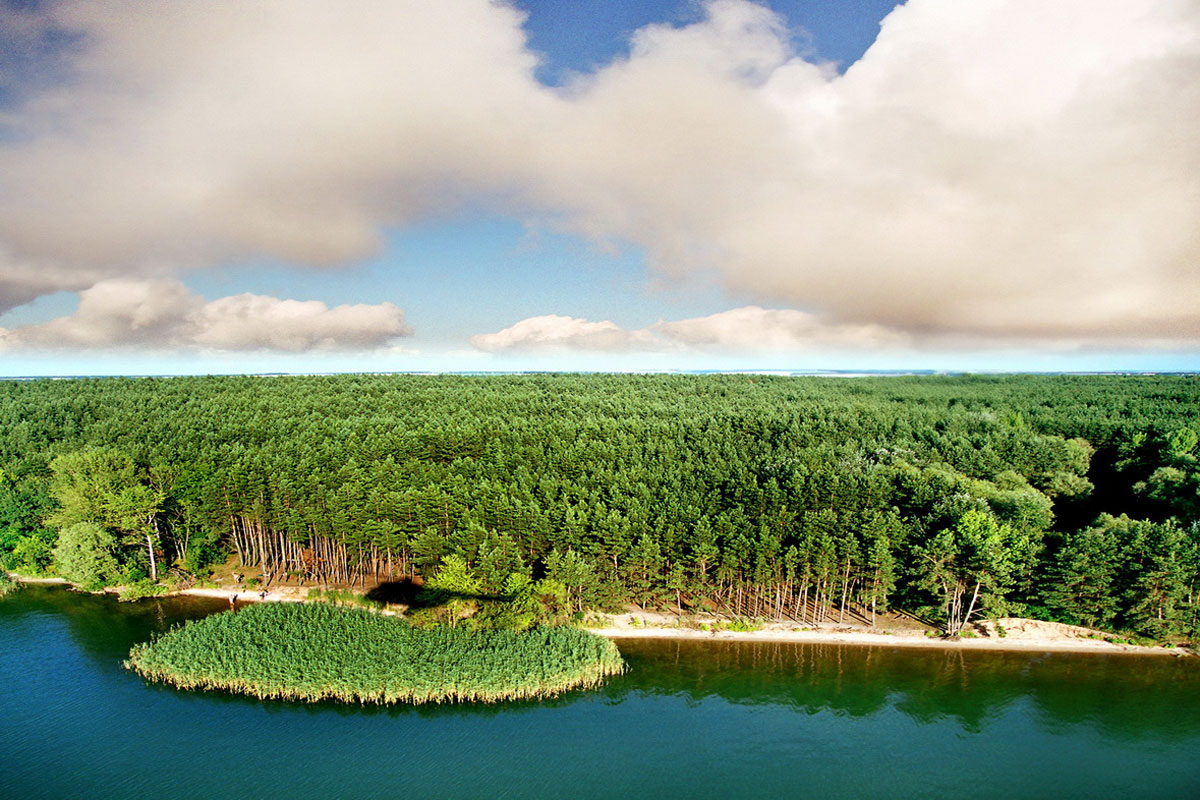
280, 594
1021, 635
1024, 635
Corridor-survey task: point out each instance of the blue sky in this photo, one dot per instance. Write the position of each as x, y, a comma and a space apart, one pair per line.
610, 186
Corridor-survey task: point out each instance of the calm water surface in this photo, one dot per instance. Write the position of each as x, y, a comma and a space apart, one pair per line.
690, 719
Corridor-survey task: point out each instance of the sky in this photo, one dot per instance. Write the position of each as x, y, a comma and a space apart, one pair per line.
403, 185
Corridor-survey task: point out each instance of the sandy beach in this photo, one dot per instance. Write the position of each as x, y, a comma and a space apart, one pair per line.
1020, 634
280, 594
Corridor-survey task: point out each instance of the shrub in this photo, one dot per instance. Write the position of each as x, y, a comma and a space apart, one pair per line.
742, 626
143, 588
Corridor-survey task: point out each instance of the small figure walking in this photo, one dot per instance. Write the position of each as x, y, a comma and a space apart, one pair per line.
262, 595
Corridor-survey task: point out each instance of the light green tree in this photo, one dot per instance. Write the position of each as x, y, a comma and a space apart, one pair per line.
103, 487
85, 555
971, 561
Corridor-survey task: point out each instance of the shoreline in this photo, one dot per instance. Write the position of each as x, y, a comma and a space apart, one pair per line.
283, 594
867, 639
649, 625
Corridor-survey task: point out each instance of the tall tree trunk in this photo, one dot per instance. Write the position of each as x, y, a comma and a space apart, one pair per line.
153, 563
970, 608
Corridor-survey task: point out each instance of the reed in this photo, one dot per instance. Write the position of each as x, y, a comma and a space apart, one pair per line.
322, 652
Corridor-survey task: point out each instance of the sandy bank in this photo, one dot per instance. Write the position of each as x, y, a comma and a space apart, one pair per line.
28, 579
1021, 635
281, 594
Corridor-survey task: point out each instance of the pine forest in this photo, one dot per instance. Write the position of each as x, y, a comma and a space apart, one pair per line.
1067, 498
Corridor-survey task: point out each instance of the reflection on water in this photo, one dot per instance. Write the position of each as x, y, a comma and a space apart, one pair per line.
690, 718
1120, 695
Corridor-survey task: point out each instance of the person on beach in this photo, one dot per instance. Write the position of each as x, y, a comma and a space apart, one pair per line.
262, 595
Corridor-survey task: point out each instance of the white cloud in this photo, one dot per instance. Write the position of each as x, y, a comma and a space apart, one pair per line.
746, 330
250, 321
1008, 169
194, 132
556, 333
999, 170
158, 314
752, 328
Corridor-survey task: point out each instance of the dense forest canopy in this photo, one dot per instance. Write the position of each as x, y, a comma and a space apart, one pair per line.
1074, 498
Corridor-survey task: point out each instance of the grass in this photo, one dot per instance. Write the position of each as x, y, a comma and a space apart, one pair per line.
342, 597
7, 584
323, 652
740, 625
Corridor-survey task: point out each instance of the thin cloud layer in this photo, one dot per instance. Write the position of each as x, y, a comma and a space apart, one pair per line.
165, 314
741, 330
996, 171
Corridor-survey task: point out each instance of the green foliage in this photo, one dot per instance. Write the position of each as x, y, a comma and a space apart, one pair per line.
141, 589
7, 584
971, 564
33, 554
84, 555
740, 626
315, 651
205, 549
481, 599
803, 498
103, 487
1126, 573
341, 597
455, 576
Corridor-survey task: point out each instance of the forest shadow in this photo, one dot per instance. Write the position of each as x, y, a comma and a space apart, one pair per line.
403, 592
418, 596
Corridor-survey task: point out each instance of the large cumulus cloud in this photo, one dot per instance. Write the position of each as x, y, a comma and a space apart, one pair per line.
999, 170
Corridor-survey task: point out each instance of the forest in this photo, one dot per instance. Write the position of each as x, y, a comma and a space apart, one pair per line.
1067, 498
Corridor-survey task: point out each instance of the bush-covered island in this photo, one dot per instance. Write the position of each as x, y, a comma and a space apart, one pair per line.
316, 651
1065, 498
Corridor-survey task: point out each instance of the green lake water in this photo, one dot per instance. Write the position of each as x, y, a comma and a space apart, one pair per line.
691, 719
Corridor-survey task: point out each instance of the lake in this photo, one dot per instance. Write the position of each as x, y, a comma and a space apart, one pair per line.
690, 719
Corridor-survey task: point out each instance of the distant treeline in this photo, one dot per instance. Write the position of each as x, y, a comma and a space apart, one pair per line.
1069, 498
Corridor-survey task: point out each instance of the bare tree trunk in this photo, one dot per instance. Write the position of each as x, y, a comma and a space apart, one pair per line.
153, 563
971, 608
